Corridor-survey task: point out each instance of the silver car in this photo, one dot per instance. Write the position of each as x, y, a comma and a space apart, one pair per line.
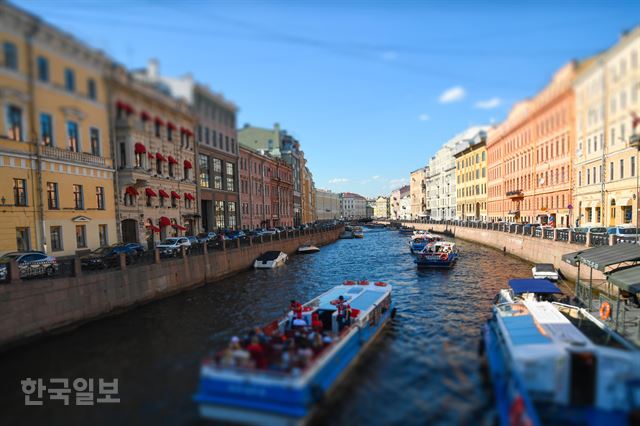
30, 264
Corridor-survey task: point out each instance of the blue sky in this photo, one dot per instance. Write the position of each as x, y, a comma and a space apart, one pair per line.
370, 88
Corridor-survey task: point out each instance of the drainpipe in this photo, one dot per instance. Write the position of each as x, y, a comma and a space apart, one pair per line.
109, 80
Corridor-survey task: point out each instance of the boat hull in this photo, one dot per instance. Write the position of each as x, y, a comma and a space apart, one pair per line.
436, 262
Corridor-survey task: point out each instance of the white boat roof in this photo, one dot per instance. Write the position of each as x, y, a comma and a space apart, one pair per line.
361, 297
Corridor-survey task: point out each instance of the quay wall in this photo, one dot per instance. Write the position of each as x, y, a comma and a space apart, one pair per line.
29, 308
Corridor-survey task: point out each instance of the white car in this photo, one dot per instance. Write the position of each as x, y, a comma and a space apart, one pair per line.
173, 246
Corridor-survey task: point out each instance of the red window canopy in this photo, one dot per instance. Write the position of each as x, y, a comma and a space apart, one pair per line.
187, 164
163, 193
164, 221
140, 148
144, 115
159, 121
124, 107
160, 157
188, 196
131, 191
172, 160
180, 227
153, 228
150, 192
174, 194
170, 125
150, 155
186, 131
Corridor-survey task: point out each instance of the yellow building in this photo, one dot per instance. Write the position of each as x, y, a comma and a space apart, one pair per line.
607, 93
471, 182
308, 195
381, 209
417, 189
56, 174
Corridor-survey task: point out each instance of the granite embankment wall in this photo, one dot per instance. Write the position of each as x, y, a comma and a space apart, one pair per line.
532, 249
32, 307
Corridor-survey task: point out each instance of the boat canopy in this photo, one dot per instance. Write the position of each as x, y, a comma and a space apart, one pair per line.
600, 258
532, 285
627, 279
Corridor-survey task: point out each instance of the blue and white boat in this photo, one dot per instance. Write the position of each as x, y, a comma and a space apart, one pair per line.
276, 396
419, 241
439, 254
406, 230
552, 363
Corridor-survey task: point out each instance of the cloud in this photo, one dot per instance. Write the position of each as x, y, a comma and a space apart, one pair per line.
338, 180
376, 177
389, 55
453, 94
489, 103
394, 183
424, 117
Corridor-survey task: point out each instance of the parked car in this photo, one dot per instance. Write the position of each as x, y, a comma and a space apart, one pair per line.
592, 229
173, 245
204, 237
235, 235
270, 231
528, 226
30, 264
193, 240
622, 231
106, 257
136, 248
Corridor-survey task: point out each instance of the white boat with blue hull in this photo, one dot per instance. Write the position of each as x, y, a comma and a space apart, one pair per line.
439, 254
266, 396
421, 240
552, 363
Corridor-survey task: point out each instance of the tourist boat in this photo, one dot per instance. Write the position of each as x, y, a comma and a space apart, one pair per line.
531, 289
438, 254
347, 234
545, 271
357, 232
275, 395
307, 248
406, 230
552, 363
270, 260
419, 241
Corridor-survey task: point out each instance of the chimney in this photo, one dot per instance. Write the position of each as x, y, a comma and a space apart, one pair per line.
153, 69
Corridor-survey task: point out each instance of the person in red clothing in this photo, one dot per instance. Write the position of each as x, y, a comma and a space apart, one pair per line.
343, 313
296, 310
256, 351
316, 324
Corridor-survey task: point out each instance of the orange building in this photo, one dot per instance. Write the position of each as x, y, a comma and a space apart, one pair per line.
530, 157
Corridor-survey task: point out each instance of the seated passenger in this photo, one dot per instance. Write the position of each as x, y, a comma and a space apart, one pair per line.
257, 353
316, 324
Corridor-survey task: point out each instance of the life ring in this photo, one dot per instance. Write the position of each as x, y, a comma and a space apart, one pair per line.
605, 311
381, 284
444, 256
349, 282
517, 412
363, 282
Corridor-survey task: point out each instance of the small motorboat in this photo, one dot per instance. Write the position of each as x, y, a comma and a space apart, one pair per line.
406, 230
307, 248
270, 260
357, 232
252, 382
347, 234
545, 271
439, 254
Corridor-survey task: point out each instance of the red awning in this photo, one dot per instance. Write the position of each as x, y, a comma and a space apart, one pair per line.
164, 221
159, 121
187, 164
150, 192
160, 157
186, 131
172, 160
174, 194
180, 227
153, 228
131, 191
150, 155
188, 196
125, 107
170, 125
140, 148
144, 115
163, 193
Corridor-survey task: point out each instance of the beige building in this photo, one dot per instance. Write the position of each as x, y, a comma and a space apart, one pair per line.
607, 93
327, 204
417, 189
381, 208
471, 182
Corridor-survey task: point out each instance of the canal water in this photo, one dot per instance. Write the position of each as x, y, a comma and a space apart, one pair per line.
424, 369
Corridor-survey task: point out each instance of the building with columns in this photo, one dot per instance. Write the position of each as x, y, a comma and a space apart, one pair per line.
607, 95
471, 182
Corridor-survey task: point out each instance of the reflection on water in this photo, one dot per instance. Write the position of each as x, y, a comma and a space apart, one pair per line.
423, 370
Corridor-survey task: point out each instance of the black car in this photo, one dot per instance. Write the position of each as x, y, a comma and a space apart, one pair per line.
106, 257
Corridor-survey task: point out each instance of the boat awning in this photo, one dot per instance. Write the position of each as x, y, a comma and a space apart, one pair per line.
627, 279
532, 285
600, 258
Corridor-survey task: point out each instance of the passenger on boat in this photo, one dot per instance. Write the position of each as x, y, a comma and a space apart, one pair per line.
343, 313
240, 355
299, 322
296, 310
257, 353
316, 324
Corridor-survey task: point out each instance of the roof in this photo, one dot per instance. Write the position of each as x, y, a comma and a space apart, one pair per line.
600, 258
627, 279
532, 285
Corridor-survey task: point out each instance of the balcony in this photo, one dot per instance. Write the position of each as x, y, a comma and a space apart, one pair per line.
74, 157
517, 193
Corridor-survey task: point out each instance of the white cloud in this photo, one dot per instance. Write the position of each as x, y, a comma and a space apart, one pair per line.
338, 180
394, 183
489, 103
424, 117
389, 55
453, 94
376, 177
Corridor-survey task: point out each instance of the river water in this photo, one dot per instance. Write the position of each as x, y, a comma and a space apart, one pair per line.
424, 368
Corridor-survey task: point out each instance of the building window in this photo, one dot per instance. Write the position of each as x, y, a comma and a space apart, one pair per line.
100, 197
169, 133
206, 135
187, 203
14, 123
204, 171
217, 173
231, 207
633, 166
149, 198
78, 197
69, 80
73, 137
43, 69
10, 56
158, 124
219, 214
92, 91
23, 239
52, 196
138, 158
579, 178
158, 166
621, 168
56, 238
230, 177
103, 235
94, 135
170, 166
81, 236
20, 192
611, 171
46, 129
